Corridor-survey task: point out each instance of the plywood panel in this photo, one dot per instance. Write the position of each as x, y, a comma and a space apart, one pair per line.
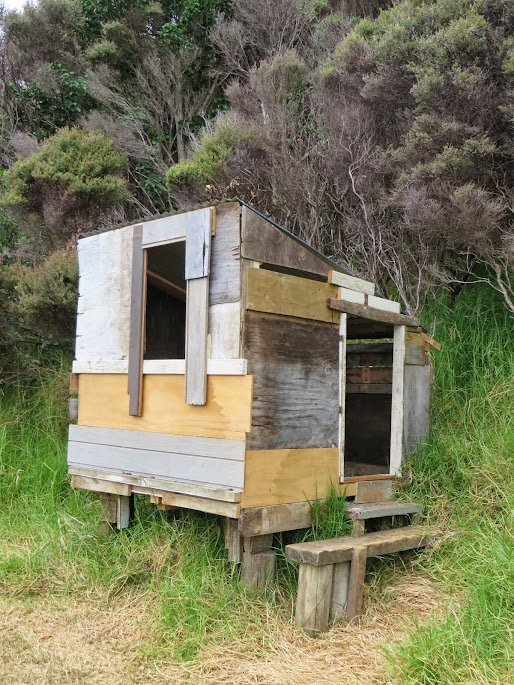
263, 242
274, 293
227, 413
103, 312
283, 476
295, 365
225, 276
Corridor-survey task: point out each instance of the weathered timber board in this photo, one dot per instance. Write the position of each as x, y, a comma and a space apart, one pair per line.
137, 323
263, 242
336, 550
369, 374
225, 330
397, 402
416, 397
296, 374
225, 277
215, 367
371, 510
373, 314
197, 317
274, 293
198, 243
227, 413
351, 282
369, 354
282, 476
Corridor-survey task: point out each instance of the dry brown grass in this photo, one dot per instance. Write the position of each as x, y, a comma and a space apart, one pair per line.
56, 641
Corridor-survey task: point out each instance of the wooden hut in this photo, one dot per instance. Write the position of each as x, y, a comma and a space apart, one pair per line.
224, 365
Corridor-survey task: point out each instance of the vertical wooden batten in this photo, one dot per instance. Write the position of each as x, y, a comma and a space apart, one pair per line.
137, 323
198, 249
342, 390
397, 408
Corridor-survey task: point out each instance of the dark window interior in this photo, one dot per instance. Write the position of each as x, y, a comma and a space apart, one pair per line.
368, 408
165, 329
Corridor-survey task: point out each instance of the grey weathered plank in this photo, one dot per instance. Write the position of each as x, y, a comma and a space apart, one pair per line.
370, 510
339, 597
295, 401
397, 401
198, 243
313, 598
157, 464
137, 309
374, 491
217, 448
263, 242
356, 583
258, 562
196, 340
416, 399
371, 313
225, 276
337, 550
233, 541
164, 230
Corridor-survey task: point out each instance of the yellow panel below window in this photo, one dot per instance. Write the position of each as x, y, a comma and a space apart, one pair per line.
104, 402
284, 476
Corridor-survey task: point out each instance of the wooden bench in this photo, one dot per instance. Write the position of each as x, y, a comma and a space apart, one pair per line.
332, 573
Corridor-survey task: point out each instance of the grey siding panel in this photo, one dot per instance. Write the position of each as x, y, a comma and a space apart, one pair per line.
295, 366
225, 276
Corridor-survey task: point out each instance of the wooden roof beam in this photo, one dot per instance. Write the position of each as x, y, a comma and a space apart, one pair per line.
372, 314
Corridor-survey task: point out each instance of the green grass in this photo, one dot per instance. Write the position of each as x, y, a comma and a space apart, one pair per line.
465, 479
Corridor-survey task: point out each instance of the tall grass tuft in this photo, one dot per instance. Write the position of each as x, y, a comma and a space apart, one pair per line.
465, 478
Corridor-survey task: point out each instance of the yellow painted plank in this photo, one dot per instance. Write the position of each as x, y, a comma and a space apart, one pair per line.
275, 293
284, 476
104, 402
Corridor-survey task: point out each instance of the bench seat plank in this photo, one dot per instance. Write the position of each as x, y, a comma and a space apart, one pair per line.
337, 550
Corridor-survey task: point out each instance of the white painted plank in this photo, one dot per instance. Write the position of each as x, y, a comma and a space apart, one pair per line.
177, 367
351, 282
161, 484
342, 391
158, 464
196, 340
351, 295
166, 230
224, 328
103, 311
384, 305
198, 243
397, 407
216, 448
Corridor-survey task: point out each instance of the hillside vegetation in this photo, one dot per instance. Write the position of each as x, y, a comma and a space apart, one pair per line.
380, 132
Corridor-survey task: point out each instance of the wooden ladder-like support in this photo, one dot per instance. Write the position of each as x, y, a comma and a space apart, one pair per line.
332, 573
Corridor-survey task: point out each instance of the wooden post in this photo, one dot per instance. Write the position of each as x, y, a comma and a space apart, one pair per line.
396, 454
356, 584
314, 598
342, 391
258, 562
339, 597
358, 527
233, 541
117, 510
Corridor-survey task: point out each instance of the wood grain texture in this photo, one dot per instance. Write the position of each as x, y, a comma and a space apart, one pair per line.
282, 476
313, 598
397, 401
356, 584
167, 465
226, 414
165, 230
369, 374
198, 243
372, 313
176, 367
103, 310
225, 330
339, 597
295, 366
99, 485
263, 242
147, 485
373, 491
416, 399
337, 550
274, 293
197, 311
160, 442
369, 354
210, 506
225, 276
137, 312
351, 282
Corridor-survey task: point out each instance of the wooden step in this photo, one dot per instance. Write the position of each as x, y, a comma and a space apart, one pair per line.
337, 550
372, 510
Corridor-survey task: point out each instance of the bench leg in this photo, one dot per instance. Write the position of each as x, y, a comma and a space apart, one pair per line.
313, 599
358, 527
117, 511
339, 590
356, 584
258, 562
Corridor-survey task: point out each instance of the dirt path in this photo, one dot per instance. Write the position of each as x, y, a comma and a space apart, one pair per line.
55, 641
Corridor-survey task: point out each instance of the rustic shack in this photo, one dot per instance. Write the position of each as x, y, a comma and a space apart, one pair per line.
223, 365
